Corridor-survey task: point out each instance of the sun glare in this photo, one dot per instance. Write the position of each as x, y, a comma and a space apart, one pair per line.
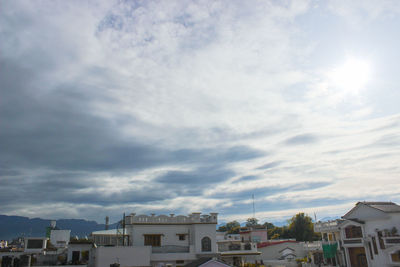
351, 76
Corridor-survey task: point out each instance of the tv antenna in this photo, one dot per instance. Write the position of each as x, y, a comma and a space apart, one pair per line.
254, 209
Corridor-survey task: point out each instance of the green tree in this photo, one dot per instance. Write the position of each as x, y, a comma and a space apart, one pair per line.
230, 227
222, 228
251, 222
269, 225
301, 227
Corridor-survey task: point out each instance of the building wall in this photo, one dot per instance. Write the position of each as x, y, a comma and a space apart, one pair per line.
125, 256
80, 248
168, 234
374, 221
60, 238
382, 258
201, 231
273, 252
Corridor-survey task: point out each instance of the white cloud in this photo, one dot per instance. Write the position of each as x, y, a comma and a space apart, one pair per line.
202, 75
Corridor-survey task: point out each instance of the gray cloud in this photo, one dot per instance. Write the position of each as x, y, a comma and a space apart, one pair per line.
302, 139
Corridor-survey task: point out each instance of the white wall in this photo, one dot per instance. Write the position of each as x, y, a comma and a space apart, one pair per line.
60, 236
169, 234
125, 256
203, 230
272, 252
80, 248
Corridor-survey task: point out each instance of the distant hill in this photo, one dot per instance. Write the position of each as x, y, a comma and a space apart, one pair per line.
14, 226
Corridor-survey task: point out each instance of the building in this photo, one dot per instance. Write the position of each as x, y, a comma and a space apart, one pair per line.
332, 246
370, 234
80, 252
60, 238
281, 250
112, 237
234, 250
255, 234
159, 240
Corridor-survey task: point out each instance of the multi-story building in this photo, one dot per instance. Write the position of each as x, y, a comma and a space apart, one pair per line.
256, 234
332, 246
234, 250
162, 240
370, 235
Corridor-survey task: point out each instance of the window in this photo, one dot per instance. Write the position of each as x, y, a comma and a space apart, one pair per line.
396, 256
152, 240
75, 257
374, 245
85, 256
206, 244
381, 243
353, 231
370, 250
180, 261
182, 236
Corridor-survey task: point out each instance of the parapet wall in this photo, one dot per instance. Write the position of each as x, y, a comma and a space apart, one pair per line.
193, 218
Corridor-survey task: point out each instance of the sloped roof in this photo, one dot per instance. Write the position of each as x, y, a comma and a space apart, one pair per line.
198, 262
286, 248
204, 260
387, 207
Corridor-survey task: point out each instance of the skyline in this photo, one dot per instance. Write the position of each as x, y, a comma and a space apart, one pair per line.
169, 107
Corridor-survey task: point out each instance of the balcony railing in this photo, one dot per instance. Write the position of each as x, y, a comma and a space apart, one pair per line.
224, 247
170, 249
392, 240
326, 226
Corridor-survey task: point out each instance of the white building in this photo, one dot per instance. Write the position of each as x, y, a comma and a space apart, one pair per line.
163, 240
35, 244
370, 235
332, 243
234, 250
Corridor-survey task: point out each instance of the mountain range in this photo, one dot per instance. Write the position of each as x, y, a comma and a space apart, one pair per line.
18, 226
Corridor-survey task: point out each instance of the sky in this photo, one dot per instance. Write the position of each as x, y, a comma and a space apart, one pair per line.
167, 107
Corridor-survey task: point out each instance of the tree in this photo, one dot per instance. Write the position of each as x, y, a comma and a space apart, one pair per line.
301, 227
269, 225
230, 227
251, 222
222, 228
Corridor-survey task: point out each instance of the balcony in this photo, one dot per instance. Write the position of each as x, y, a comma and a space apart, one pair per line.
329, 226
238, 247
170, 249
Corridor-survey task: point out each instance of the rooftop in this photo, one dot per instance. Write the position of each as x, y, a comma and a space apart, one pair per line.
388, 207
193, 218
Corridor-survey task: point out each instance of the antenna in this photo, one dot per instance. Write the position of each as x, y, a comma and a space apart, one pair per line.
254, 209
107, 222
123, 231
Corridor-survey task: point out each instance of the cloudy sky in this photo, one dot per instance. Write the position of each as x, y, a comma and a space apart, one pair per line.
176, 107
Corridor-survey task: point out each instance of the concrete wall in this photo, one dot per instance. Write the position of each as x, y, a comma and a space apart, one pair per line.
169, 234
201, 231
80, 248
57, 236
125, 256
272, 252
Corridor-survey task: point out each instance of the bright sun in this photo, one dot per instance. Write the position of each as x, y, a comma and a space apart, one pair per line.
351, 76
